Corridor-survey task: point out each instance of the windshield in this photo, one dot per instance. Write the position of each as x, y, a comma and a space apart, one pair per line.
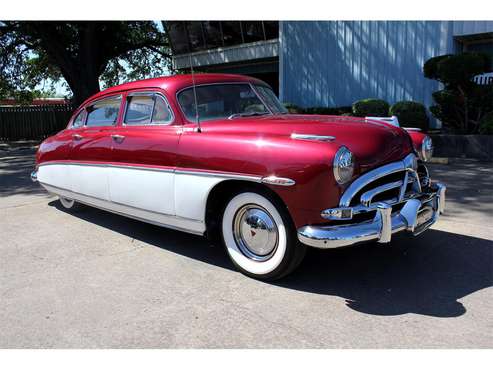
221, 101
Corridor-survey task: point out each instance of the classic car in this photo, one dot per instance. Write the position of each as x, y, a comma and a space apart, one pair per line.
219, 156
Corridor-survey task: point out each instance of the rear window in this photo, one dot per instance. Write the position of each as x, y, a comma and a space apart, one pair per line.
103, 112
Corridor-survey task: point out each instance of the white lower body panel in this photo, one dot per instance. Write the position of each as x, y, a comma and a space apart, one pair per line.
166, 197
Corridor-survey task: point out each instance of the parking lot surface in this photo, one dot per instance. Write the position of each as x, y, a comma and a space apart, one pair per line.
97, 280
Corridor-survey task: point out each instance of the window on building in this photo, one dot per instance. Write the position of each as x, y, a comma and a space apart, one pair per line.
178, 34
271, 30
231, 33
253, 31
195, 36
103, 112
212, 32
199, 35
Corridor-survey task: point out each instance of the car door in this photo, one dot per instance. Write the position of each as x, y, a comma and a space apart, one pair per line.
91, 148
144, 154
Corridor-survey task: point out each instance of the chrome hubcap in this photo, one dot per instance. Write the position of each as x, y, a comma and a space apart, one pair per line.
255, 232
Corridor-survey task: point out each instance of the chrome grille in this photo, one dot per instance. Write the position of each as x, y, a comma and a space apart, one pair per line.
392, 183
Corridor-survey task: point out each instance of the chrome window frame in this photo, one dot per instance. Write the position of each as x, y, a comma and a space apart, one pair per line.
147, 93
90, 104
214, 84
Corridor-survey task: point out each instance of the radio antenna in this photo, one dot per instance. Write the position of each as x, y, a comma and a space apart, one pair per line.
197, 117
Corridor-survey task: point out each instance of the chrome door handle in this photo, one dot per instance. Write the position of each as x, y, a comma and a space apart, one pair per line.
118, 138
76, 137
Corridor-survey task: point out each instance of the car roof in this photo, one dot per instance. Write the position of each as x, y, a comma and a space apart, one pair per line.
173, 84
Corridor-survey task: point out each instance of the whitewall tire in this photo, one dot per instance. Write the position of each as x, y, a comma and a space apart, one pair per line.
69, 204
259, 236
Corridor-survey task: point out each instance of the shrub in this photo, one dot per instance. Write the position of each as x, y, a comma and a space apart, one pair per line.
293, 108
410, 114
336, 111
370, 107
462, 103
486, 124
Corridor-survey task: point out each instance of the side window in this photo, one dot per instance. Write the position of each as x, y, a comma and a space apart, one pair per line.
162, 112
79, 120
103, 112
139, 110
147, 109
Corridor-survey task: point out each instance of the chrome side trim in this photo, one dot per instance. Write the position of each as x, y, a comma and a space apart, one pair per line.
408, 163
274, 180
223, 175
312, 137
160, 219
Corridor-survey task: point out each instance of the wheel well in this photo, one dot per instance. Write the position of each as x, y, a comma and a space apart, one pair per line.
222, 193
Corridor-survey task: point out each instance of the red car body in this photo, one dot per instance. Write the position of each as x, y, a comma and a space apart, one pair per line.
239, 149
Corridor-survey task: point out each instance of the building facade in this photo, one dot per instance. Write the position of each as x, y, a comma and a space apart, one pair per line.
329, 63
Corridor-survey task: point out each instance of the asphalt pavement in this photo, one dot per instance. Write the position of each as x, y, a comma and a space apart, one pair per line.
98, 280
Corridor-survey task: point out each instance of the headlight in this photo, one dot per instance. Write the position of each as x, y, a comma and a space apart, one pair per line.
343, 165
426, 149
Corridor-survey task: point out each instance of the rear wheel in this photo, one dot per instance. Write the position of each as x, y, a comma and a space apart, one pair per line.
260, 237
69, 204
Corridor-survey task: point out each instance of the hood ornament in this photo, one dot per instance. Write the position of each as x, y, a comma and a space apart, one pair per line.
312, 137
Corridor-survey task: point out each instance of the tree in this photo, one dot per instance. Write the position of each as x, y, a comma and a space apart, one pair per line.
462, 103
81, 53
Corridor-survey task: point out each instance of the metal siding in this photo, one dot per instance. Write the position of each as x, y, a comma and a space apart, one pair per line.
471, 27
334, 63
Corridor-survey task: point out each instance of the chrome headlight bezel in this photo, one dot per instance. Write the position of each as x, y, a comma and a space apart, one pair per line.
426, 151
343, 165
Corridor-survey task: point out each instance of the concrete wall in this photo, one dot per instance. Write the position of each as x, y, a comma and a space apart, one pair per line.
333, 63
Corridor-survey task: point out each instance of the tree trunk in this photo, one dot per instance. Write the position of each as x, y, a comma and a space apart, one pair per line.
83, 86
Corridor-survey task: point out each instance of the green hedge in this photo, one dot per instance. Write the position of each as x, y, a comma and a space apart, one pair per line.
486, 124
410, 114
336, 111
370, 108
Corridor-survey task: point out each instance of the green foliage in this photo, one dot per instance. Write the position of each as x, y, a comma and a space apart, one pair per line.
335, 111
293, 108
370, 107
410, 114
461, 104
486, 124
34, 56
430, 68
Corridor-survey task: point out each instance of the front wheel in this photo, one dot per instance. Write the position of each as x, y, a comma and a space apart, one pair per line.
69, 204
260, 237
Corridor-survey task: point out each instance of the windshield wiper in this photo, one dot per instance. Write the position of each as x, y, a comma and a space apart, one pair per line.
247, 114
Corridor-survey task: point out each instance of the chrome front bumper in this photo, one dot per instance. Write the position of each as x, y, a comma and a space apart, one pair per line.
416, 216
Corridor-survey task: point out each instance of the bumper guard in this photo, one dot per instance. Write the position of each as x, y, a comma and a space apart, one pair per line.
415, 216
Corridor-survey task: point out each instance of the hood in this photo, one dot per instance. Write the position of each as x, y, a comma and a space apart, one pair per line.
372, 143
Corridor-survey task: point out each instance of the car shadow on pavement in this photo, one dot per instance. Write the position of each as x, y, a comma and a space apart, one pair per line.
426, 275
